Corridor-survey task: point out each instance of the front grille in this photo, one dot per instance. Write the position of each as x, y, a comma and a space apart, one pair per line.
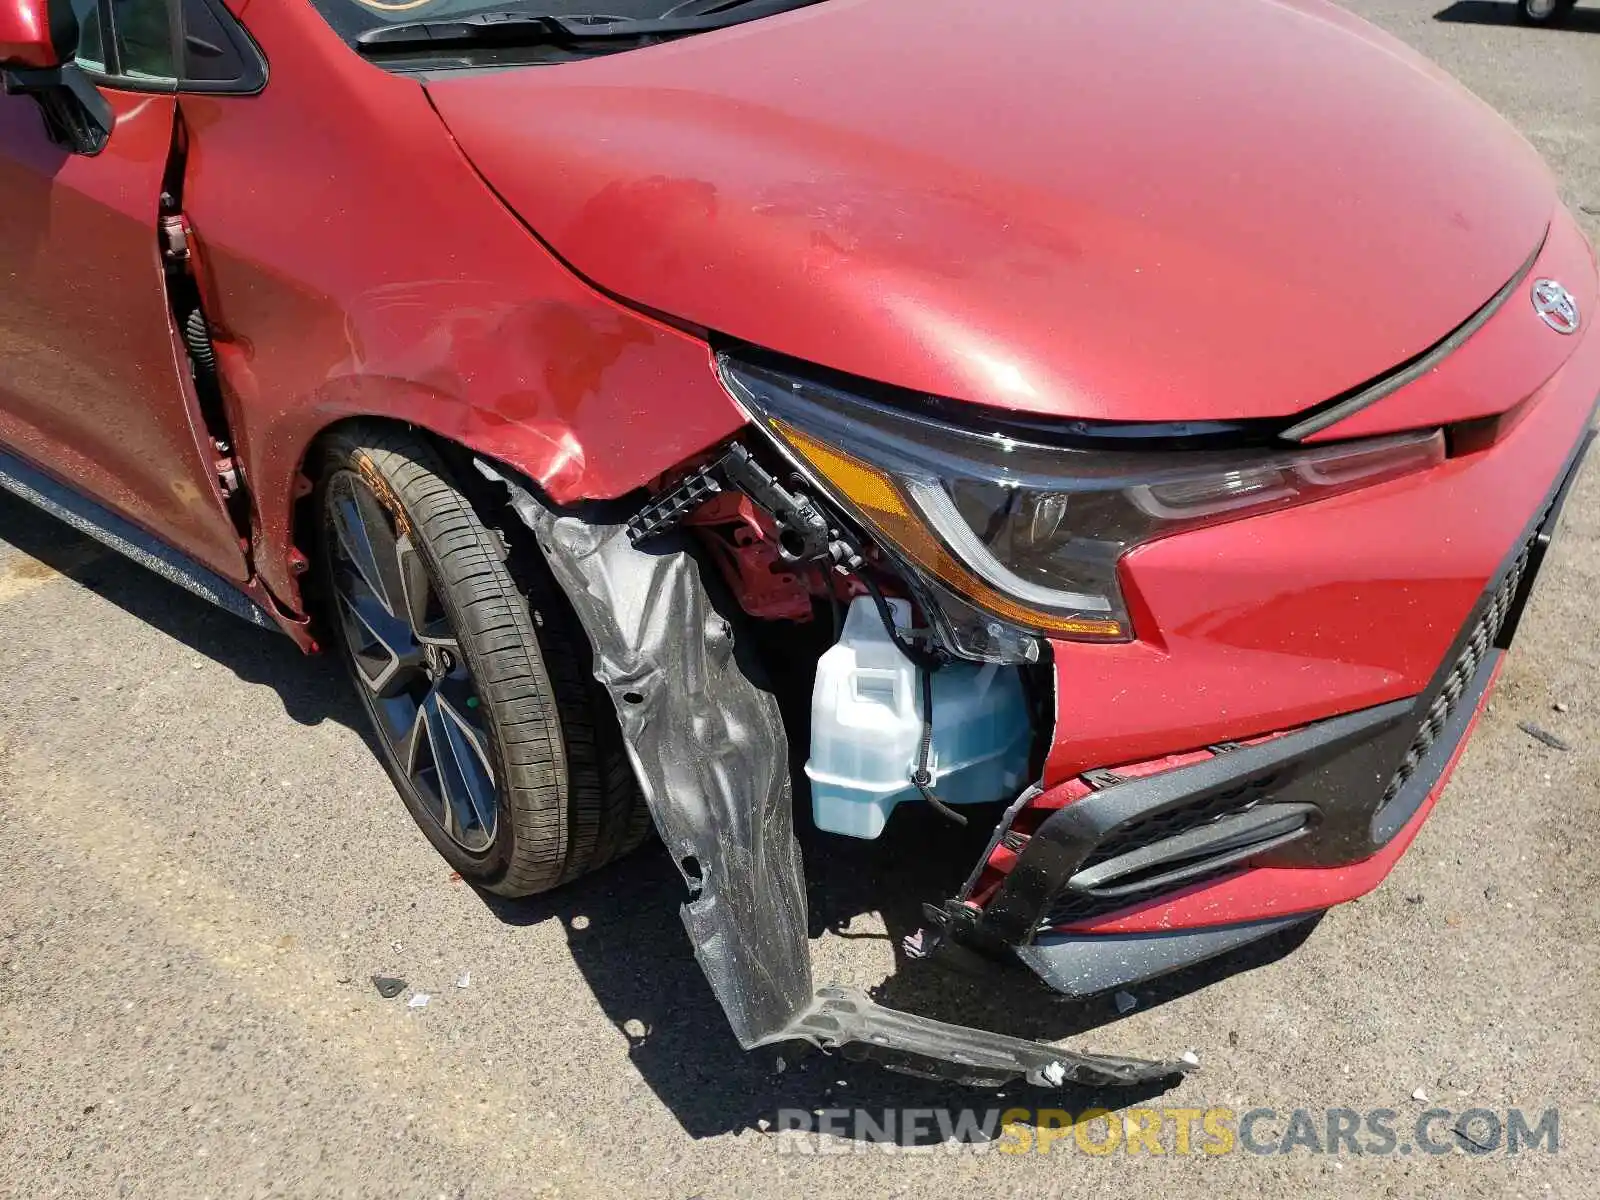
1146, 831
1461, 674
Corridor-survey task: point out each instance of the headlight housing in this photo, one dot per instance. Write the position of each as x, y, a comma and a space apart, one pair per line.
1014, 539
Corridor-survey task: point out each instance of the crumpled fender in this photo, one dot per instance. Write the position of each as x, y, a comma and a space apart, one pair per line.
709, 749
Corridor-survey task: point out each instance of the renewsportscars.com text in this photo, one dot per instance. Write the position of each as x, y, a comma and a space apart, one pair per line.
1176, 1131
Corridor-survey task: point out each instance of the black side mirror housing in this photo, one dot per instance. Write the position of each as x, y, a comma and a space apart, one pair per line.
76, 116
37, 42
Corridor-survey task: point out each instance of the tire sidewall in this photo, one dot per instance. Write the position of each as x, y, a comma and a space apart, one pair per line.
488, 868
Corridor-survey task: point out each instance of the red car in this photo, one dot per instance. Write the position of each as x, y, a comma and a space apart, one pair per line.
1132, 430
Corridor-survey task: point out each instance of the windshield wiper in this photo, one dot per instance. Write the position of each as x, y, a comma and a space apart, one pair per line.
491, 29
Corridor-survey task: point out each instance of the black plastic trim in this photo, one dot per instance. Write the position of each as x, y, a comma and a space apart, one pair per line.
88, 517
1068, 836
1333, 411
1084, 964
252, 60
1341, 766
1392, 817
1062, 432
1541, 541
1203, 850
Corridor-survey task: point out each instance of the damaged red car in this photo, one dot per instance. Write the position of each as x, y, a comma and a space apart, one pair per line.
1132, 430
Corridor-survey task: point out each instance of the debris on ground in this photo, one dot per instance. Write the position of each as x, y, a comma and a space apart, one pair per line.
1233, 1037
420, 1000
1126, 1002
1420, 1095
388, 986
1190, 1057
1558, 706
464, 980
782, 1065
1415, 898
1460, 1130
1542, 735
917, 945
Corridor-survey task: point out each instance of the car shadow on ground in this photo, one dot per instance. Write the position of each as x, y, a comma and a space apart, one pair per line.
311, 691
627, 938
1500, 12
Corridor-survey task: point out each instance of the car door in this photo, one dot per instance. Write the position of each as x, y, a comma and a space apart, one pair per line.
90, 388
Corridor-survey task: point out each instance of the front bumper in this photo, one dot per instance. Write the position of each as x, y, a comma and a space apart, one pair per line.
1275, 811
1318, 669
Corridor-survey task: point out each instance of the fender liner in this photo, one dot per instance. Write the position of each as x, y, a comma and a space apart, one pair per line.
709, 749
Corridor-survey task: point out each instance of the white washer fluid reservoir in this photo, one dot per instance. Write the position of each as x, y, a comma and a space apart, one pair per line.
866, 728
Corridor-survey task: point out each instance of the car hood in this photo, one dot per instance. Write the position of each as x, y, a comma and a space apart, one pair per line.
1190, 209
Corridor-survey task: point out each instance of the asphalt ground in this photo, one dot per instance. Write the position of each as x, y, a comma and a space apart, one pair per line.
203, 865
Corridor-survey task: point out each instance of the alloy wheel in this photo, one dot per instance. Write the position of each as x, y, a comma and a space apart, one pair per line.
414, 678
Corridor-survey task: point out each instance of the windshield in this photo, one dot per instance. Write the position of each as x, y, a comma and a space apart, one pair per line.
355, 19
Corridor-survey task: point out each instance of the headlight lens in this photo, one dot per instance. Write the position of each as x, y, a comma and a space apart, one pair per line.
1019, 539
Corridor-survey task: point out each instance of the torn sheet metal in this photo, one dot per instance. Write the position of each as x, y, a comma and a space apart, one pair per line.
710, 752
849, 1021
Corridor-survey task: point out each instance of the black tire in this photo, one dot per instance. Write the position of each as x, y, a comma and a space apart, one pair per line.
1530, 14
565, 798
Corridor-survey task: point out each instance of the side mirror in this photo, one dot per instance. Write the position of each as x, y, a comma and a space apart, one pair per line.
38, 39
36, 34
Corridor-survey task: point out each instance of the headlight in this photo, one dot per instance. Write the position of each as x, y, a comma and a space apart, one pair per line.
1015, 536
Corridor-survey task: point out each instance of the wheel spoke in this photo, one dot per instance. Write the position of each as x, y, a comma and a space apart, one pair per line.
386, 657
420, 606
473, 748
415, 744
420, 756
461, 771
366, 540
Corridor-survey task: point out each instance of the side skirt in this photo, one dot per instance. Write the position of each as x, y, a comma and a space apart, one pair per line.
121, 535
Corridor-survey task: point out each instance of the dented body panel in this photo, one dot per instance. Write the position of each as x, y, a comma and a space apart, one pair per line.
431, 305
545, 270
90, 386
1106, 220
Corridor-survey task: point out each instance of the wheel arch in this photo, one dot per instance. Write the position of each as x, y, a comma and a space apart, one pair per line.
287, 524
597, 435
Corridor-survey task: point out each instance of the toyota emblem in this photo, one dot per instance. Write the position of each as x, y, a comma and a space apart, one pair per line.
1555, 306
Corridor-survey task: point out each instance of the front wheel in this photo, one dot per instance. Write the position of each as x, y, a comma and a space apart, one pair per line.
474, 672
